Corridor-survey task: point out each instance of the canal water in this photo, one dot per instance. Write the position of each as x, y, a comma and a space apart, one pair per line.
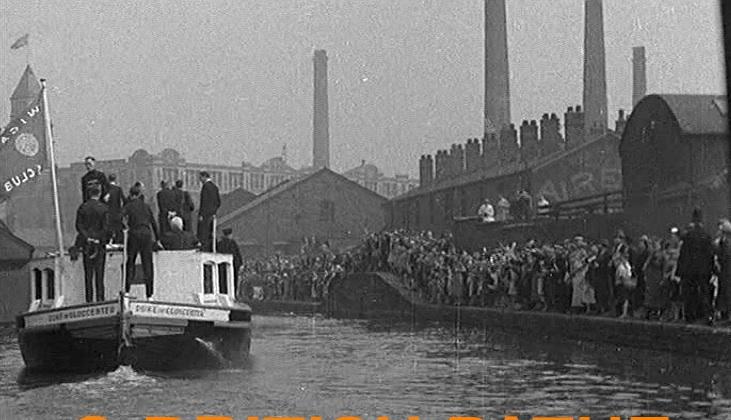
307, 366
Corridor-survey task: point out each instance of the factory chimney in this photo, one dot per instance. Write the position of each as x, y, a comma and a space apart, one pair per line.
639, 75
595, 80
320, 124
497, 86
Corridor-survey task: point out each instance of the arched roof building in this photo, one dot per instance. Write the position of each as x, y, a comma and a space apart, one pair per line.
673, 152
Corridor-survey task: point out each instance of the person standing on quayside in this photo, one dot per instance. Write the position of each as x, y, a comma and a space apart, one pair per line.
92, 226
141, 224
209, 204
227, 245
115, 200
92, 177
185, 205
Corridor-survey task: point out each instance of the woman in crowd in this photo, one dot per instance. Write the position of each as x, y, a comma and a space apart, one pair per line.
656, 296
625, 280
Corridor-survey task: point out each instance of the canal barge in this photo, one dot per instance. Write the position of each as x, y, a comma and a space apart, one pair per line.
191, 321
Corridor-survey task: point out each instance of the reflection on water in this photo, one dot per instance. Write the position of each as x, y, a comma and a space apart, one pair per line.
315, 366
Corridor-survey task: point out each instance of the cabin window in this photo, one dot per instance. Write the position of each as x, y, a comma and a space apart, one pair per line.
50, 284
208, 278
223, 278
37, 284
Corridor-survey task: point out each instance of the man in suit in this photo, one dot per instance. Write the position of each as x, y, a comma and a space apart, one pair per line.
165, 205
142, 233
209, 204
695, 267
227, 245
185, 204
92, 177
92, 226
115, 199
176, 238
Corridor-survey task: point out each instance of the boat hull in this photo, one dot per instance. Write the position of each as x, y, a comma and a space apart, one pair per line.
144, 335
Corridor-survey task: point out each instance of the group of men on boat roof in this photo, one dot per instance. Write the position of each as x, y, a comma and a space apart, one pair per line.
106, 213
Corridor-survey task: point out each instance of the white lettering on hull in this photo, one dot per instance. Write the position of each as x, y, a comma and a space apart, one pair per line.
71, 315
144, 309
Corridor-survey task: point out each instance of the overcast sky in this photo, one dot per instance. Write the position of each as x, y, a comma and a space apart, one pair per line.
230, 80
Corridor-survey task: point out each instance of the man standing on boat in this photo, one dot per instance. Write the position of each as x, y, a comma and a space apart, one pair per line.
92, 223
93, 177
115, 200
227, 245
141, 224
210, 202
185, 204
165, 205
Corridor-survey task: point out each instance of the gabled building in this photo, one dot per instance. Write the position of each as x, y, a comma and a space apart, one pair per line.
325, 205
14, 277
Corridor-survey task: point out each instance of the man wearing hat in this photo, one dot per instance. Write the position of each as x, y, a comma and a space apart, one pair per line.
227, 245
92, 224
695, 267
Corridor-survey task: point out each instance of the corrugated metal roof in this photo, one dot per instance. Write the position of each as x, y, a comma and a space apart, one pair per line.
699, 114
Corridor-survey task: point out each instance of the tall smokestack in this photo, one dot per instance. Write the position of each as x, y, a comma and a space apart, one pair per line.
497, 86
595, 80
320, 124
639, 75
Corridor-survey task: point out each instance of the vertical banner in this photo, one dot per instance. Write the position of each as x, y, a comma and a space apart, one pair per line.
23, 150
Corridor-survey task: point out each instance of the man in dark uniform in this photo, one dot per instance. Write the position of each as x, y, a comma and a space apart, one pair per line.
176, 238
695, 267
185, 203
92, 177
115, 200
92, 225
210, 202
165, 205
142, 232
227, 245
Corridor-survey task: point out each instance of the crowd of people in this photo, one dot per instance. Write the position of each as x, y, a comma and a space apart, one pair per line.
305, 277
684, 276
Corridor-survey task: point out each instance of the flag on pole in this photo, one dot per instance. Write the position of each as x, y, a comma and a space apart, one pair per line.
23, 154
20, 42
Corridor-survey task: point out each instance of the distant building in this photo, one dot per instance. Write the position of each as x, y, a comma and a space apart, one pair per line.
369, 176
324, 204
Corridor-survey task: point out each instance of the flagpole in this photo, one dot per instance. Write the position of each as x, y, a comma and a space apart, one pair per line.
54, 180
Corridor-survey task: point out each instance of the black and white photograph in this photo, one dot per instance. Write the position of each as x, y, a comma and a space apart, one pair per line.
365, 210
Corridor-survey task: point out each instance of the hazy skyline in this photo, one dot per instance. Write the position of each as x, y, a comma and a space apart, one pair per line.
231, 81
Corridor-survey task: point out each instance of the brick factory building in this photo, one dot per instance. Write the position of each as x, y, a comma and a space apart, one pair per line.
545, 162
325, 205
